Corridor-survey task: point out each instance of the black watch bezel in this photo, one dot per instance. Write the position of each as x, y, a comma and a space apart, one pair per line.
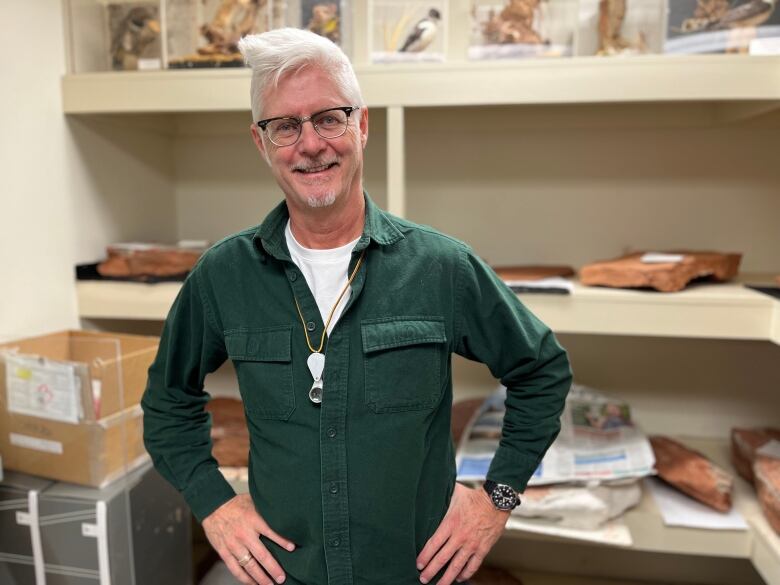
504, 498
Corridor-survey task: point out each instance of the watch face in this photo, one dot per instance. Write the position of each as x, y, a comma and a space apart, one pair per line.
504, 497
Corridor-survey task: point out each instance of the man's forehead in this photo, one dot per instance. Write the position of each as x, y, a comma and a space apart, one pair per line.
301, 92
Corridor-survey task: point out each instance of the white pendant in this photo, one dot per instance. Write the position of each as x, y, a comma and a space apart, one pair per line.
316, 363
315, 394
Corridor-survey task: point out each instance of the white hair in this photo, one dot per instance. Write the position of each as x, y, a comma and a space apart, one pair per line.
287, 50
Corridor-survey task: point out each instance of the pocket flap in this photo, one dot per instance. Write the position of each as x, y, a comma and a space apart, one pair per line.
271, 344
390, 332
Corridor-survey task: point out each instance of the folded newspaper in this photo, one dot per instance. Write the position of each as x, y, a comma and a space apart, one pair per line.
598, 441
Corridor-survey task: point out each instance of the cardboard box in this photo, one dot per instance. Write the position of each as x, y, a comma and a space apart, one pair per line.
69, 405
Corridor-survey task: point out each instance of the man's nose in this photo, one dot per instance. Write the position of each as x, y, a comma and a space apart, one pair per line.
310, 142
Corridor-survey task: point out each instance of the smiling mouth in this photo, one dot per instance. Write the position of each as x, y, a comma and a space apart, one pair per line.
317, 169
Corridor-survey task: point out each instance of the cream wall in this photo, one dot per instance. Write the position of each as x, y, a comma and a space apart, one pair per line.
69, 186
37, 243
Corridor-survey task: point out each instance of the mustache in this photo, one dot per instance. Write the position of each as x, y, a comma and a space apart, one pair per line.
315, 163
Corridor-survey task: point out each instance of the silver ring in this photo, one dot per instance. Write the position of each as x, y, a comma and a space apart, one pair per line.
244, 561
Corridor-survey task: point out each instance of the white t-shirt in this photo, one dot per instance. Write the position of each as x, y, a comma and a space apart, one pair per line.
326, 274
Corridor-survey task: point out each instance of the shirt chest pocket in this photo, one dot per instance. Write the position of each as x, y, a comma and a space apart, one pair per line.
405, 361
263, 362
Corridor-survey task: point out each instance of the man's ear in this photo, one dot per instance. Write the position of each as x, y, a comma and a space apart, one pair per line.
364, 125
258, 140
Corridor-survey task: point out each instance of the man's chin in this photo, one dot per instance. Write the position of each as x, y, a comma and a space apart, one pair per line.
321, 199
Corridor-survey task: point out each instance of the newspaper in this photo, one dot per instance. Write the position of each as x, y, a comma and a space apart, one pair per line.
598, 442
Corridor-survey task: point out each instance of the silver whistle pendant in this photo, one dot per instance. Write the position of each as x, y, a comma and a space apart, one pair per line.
315, 394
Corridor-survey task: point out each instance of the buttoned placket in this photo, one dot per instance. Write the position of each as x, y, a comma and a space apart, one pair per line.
333, 413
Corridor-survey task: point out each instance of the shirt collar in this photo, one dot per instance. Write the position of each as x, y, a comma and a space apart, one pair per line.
379, 227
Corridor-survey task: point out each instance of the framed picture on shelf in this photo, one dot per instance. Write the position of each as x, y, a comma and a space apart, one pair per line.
723, 26
522, 28
611, 28
327, 18
402, 31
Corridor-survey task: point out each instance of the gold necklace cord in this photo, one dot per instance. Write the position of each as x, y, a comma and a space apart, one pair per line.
333, 310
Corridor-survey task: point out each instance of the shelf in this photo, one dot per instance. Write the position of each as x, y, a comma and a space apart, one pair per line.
759, 543
751, 81
125, 300
720, 311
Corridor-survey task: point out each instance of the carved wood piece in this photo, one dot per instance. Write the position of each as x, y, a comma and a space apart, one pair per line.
630, 272
767, 473
508, 273
153, 261
692, 473
229, 433
745, 443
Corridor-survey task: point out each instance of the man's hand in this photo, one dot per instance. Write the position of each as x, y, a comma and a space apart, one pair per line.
463, 539
233, 529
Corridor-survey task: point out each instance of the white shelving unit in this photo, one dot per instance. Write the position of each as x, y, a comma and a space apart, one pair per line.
624, 110
752, 82
722, 311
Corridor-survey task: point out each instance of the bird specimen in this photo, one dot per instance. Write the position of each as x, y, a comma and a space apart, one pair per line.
137, 30
514, 24
325, 21
612, 14
422, 34
740, 19
233, 20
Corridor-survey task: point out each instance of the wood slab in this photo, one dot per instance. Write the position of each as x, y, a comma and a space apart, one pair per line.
630, 272
508, 273
692, 473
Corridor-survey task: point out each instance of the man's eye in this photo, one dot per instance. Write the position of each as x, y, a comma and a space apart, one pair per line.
287, 127
328, 120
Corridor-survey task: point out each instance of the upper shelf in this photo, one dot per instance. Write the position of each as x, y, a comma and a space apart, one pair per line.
718, 311
581, 80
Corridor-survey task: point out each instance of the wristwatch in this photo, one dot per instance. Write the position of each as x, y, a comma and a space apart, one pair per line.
504, 498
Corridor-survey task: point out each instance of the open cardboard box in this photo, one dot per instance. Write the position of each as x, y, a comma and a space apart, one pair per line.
69, 404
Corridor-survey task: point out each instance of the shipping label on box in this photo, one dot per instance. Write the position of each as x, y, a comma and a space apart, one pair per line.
42, 388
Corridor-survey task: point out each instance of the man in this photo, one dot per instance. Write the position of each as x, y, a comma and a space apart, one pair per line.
341, 320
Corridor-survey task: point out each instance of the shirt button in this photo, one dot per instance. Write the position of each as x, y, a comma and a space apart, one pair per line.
311, 325
293, 276
335, 542
334, 488
332, 432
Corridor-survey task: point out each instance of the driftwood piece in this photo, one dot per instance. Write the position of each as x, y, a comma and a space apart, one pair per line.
692, 473
514, 24
766, 470
745, 443
508, 273
148, 261
461, 414
630, 272
229, 433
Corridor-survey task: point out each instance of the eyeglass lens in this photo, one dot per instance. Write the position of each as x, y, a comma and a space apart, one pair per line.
328, 124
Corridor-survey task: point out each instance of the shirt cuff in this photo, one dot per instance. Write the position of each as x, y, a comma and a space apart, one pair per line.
511, 470
208, 493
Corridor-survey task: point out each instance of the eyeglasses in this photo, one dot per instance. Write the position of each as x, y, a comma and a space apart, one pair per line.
286, 130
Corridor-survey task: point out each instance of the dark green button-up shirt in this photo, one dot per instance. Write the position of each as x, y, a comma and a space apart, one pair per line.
361, 481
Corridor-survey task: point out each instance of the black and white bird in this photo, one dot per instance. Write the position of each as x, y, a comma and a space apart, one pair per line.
422, 34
